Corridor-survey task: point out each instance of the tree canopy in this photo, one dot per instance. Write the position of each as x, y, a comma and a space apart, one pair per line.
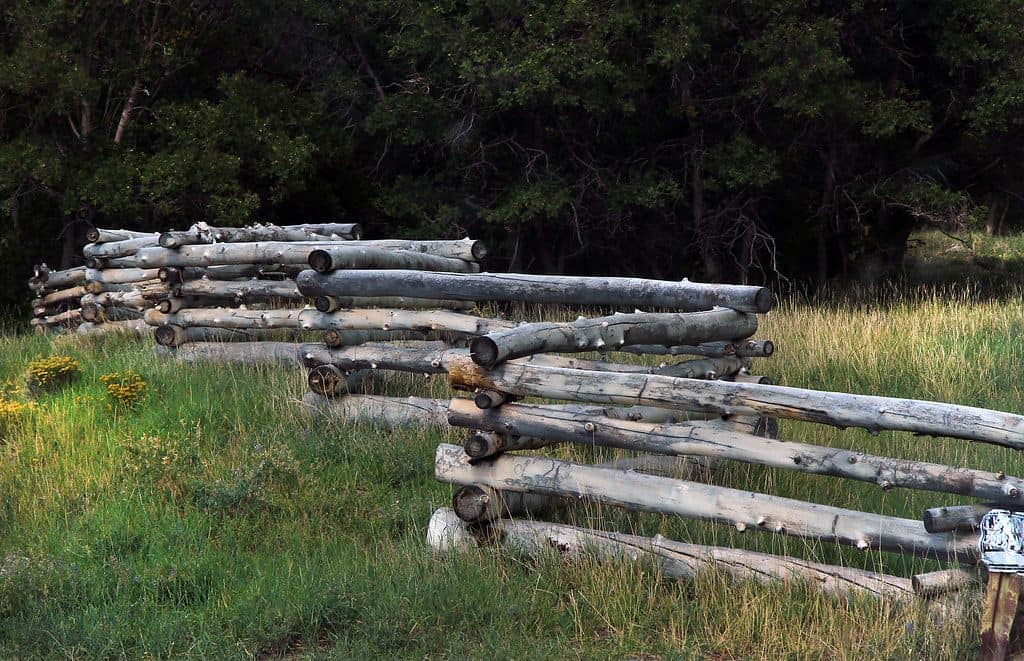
733, 140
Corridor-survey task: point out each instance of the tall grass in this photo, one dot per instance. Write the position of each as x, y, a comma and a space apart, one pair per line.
210, 519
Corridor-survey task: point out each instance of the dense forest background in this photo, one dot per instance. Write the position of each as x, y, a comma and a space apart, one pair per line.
795, 141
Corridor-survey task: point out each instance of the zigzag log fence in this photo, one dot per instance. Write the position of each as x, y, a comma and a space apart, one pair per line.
260, 294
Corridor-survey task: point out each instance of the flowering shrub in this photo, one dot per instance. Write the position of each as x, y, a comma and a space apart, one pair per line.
11, 413
125, 389
49, 374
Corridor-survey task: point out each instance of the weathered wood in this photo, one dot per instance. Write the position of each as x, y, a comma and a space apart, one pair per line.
740, 377
1001, 600
379, 410
400, 320
135, 327
489, 399
68, 318
246, 353
174, 275
955, 517
172, 336
935, 583
335, 303
351, 231
120, 276
62, 296
155, 287
378, 357
446, 532
227, 318
694, 439
112, 249
173, 304
63, 279
203, 234
567, 290
830, 408
98, 313
743, 348
479, 445
481, 504
338, 338
329, 381
325, 260
613, 331
705, 368
744, 509
241, 290
126, 299
100, 235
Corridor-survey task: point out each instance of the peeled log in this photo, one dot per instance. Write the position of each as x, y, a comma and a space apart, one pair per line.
63, 279
247, 353
99, 313
120, 276
400, 320
955, 517
613, 332
335, 303
336, 339
567, 290
676, 559
682, 439
135, 327
227, 318
325, 260
706, 368
172, 336
379, 410
329, 381
742, 348
830, 408
62, 319
243, 290
113, 249
203, 234
743, 509
99, 235
935, 583
62, 296
402, 359
149, 288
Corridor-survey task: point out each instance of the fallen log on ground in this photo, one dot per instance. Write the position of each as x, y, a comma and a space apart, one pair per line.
613, 331
940, 582
401, 320
566, 290
688, 439
743, 509
729, 398
446, 532
325, 260
379, 410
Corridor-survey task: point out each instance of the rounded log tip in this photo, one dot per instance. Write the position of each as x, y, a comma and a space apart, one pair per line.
327, 380
169, 274
471, 503
94, 262
486, 399
479, 446
91, 312
764, 300
325, 304
164, 306
447, 532
484, 351
320, 261
769, 348
479, 250
93, 235
357, 231
167, 240
169, 335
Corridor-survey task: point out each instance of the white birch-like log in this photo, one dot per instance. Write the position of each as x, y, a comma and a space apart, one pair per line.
114, 249
173, 336
566, 290
933, 584
704, 368
380, 357
120, 276
203, 234
329, 304
241, 290
743, 509
379, 410
447, 533
728, 398
338, 338
614, 331
351, 231
694, 439
400, 320
743, 348
101, 314
135, 327
955, 517
99, 235
246, 353
125, 299
325, 260
174, 275
63, 279
227, 318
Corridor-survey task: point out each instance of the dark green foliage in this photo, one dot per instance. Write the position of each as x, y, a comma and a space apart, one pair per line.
720, 140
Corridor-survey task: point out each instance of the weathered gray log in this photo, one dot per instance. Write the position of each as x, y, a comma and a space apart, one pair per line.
489, 399
100, 235
742, 348
446, 532
278, 252
744, 509
173, 304
401, 320
335, 303
135, 327
549, 360
154, 286
61, 296
173, 336
127, 299
337, 338
481, 444
481, 504
240, 290
203, 234
63, 279
68, 318
705, 368
568, 290
614, 331
227, 318
741, 377
98, 313
955, 517
329, 381
378, 357
379, 410
830, 408
112, 249
246, 353
325, 260
174, 275
352, 231
682, 439
935, 583
120, 276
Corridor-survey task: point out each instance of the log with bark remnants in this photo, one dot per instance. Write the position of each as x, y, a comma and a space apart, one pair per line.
71, 294
101, 314
204, 234
120, 276
567, 290
247, 353
115, 249
743, 509
336, 303
135, 327
53, 280
382, 357
174, 336
99, 235
613, 332
694, 439
174, 275
401, 320
740, 348
325, 260
227, 318
730, 398
379, 410
446, 532
252, 289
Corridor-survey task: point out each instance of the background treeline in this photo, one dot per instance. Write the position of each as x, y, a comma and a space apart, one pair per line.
722, 140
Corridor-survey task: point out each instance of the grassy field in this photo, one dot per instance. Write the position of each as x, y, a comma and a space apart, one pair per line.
210, 519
